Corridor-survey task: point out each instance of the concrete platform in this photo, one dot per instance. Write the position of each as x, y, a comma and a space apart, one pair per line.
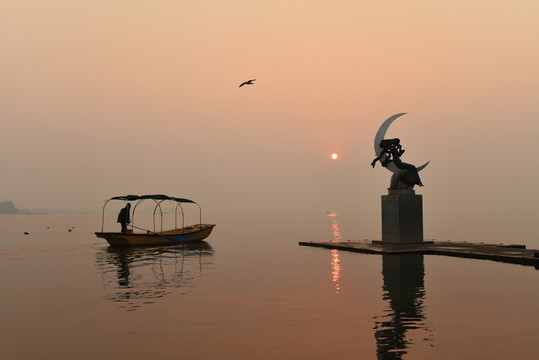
514, 254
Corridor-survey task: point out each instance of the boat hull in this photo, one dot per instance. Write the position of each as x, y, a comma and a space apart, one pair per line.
177, 236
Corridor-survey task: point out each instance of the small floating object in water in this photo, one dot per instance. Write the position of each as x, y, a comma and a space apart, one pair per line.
69, 230
26, 233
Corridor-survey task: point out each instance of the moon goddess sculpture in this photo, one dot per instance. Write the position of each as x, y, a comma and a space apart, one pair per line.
388, 152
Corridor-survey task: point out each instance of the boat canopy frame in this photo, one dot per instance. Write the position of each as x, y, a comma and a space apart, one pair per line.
158, 199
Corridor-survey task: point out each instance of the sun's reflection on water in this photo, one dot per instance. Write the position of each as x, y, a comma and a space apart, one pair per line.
335, 269
403, 323
336, 231
335, 260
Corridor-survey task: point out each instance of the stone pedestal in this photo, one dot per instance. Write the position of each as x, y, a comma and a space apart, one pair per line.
402, 217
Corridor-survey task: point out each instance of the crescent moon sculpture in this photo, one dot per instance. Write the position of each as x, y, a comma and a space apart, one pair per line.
406, 172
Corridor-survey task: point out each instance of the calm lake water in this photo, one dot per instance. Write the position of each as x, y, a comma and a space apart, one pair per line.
250, 292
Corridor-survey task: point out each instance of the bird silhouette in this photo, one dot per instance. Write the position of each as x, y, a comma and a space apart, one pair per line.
69, 230
26, 233
248, 82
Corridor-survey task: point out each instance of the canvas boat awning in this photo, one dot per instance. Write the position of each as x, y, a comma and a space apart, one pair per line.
151, 197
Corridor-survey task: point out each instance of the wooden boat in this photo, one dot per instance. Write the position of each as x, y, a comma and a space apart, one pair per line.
137, 236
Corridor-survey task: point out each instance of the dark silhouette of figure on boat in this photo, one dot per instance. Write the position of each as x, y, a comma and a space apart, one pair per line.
124, 218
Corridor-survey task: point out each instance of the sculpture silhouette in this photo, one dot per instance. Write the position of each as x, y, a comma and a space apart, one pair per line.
406, 175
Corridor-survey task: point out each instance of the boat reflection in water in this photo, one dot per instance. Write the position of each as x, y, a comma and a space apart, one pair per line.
404, 319
141, 275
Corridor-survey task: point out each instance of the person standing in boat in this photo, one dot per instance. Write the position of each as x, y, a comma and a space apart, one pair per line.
124, 218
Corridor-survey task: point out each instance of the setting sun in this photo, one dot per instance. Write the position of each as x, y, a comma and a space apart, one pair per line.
334, 156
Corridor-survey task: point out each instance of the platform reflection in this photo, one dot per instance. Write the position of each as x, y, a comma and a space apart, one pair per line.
404, 321
140, 276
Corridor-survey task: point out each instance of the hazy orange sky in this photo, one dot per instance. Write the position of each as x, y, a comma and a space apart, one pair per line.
104, 98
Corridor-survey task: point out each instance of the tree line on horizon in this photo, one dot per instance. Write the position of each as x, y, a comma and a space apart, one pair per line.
8, 207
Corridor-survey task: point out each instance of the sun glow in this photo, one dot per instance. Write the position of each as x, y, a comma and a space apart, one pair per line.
334, 156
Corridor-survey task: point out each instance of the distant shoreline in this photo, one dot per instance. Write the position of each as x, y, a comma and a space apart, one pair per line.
25, 213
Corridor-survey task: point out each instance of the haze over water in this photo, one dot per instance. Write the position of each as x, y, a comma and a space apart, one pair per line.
251, 292
100, 99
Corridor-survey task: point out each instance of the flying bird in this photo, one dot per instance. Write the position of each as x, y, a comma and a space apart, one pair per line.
248, 82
